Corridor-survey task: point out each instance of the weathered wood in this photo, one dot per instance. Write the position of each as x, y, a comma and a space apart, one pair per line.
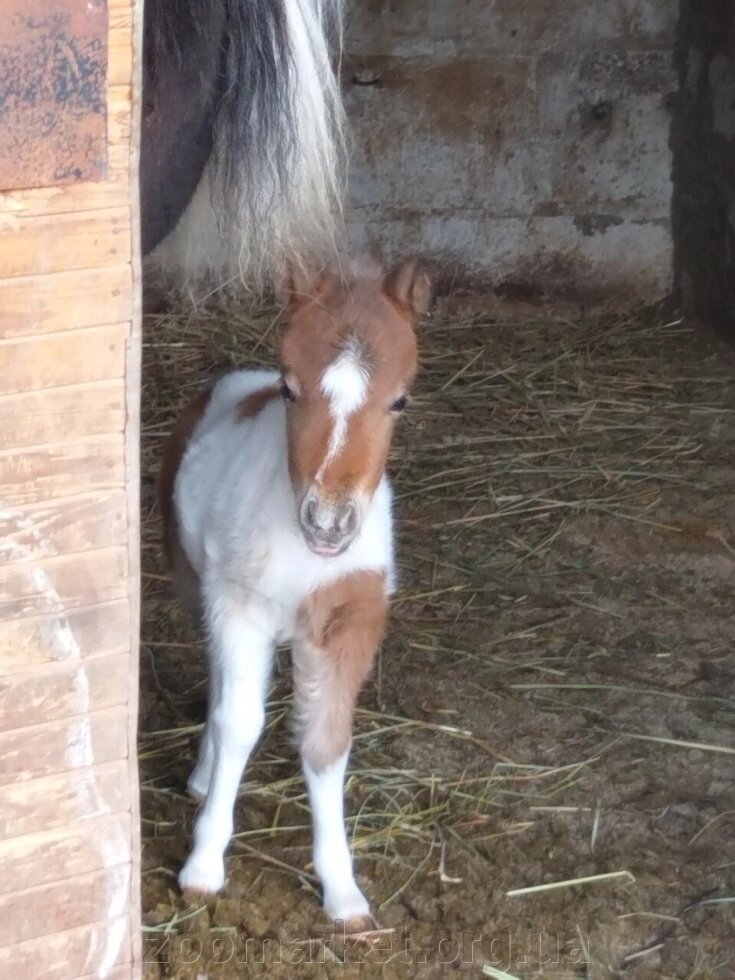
62, 746
25, 807
30, 476
71, 197
56, 243
36, 588
96, 520
26, 644
91, 195
119, 39
123, 971
132, 464
120, 16
53, 63
94, 354
69, 541
63, 690
75, 904
31, 305
71, 953
89, 845
34, 418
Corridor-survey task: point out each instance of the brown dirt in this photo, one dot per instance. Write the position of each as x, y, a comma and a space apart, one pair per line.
563, 633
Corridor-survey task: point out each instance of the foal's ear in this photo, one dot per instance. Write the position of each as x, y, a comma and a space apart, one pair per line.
368, 263
409, 286
301, 283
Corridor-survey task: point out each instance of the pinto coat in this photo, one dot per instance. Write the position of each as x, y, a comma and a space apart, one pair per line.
277, 516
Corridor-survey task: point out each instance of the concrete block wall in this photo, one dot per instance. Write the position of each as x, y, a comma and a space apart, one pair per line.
522, 143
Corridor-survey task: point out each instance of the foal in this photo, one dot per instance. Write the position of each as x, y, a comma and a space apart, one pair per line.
277, 516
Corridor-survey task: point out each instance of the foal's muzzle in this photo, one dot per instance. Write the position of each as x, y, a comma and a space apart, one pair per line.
328, 527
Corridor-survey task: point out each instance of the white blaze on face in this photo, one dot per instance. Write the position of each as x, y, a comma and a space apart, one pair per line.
345, 383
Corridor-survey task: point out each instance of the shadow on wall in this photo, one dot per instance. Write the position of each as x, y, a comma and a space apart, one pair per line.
703, 147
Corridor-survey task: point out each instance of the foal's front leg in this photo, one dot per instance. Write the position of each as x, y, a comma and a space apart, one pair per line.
201, 774
340, 628
241, 653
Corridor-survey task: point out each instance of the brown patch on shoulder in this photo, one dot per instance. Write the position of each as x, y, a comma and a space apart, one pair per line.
256, 401
339, 629
358, 601
173, 453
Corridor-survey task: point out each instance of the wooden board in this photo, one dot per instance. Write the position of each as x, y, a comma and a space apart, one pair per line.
61, 469
69, 488
68, 527
20, 814
31, 418
26, 645
53, 70
82, 903
30, 363
65, 582
44, 858
47, 243
42, 304
64, 952
58, 693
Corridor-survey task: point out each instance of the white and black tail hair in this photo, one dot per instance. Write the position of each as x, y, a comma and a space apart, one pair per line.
269, 125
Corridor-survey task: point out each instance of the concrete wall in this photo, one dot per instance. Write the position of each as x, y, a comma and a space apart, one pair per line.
703, 141
522, 142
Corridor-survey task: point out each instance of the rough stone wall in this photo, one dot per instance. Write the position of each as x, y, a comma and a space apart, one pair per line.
703, 142
520, 142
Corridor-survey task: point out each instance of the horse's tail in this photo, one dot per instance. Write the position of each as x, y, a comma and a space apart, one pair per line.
271, 191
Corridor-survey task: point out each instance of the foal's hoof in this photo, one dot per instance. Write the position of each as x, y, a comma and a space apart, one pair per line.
360, 927
350, 907
203, 874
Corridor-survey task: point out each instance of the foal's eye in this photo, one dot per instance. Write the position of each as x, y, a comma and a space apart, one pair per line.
287, 393
399, 404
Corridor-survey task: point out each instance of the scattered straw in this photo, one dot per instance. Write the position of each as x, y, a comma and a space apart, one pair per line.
172, 925
529, 450
492, 971
570, 882
680, 744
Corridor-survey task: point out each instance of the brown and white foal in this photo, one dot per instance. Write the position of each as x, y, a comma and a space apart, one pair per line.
278, 511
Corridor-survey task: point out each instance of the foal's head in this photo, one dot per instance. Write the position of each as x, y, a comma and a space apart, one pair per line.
348, 358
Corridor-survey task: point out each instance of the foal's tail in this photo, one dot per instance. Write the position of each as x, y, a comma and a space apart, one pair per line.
272, 188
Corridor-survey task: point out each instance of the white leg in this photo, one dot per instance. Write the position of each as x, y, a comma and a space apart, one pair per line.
198, 782
343, 900
241, 648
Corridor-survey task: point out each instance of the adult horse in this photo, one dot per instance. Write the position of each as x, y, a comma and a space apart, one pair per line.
241, 141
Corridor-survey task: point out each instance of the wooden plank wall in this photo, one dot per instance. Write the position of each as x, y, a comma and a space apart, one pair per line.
69, 574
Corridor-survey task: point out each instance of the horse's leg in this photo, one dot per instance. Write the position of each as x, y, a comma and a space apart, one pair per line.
241, 651
340, 629
182, 76
201, 775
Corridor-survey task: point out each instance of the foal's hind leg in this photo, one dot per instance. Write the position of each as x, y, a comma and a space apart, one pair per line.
339, 631
241, 648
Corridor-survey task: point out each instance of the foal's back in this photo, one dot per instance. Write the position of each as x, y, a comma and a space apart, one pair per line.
235, 452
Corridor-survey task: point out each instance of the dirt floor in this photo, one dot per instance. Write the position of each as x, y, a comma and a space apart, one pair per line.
555, 699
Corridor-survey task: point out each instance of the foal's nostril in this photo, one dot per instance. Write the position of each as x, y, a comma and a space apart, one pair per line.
346, 519
310, 514
327, 525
